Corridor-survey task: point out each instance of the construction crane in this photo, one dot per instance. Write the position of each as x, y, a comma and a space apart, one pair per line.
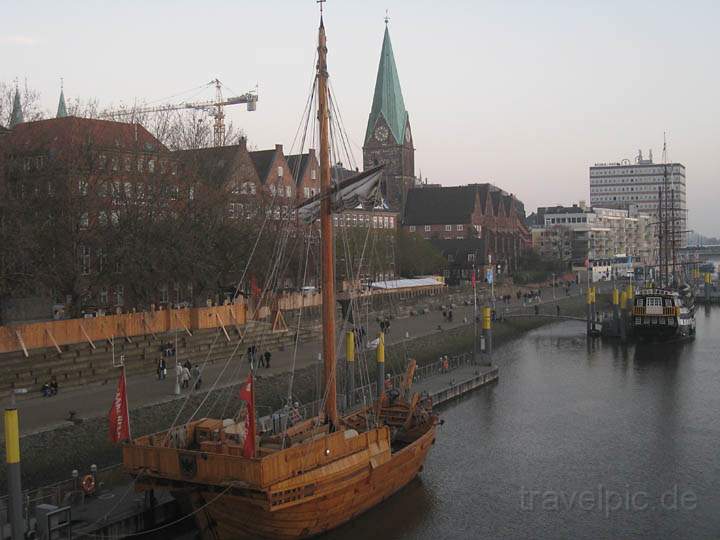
214, 108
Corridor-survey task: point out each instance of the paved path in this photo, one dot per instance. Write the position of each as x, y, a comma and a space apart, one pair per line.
38, 413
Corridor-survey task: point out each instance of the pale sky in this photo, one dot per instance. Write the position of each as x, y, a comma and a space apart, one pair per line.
525, 94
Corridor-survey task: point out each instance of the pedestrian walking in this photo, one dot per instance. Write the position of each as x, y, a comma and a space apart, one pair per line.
161, 369
185, 377
196, 376
267, 359
557, 309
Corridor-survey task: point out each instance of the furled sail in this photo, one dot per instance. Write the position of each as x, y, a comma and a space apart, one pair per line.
361, 189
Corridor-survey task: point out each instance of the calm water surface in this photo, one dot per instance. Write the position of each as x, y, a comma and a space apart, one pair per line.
573, 442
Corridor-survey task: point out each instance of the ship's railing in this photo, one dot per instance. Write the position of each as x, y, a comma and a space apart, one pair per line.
363, 395
666, 311
194, 466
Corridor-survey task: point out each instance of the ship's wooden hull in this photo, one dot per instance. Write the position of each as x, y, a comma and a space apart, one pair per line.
230, 516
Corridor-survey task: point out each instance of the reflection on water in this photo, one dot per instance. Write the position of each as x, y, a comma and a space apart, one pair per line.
630, 432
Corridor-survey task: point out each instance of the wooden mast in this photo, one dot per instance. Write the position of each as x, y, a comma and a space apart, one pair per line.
326, 233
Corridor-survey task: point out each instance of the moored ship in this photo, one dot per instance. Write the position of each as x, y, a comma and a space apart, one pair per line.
664, 313
319, 473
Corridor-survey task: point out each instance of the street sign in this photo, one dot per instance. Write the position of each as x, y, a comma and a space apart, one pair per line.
489, 276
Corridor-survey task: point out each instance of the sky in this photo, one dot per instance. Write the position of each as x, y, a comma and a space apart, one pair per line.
524, 94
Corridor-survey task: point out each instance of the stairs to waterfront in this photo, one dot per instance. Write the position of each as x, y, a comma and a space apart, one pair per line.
79, 364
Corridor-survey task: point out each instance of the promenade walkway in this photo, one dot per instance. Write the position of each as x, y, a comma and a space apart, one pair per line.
38, 413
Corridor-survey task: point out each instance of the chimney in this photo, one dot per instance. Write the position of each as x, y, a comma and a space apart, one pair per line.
581, 204
242, 142
279, 148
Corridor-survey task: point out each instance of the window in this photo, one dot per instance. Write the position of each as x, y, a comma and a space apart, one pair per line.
313, 174
306, 192
288, 191
459, 228
151, 165
191, 193
428, 228
119, 295
84, 255
128, 164
104, 296
102, 259
82, 186
272, 189
164, 293
448, 227
392, 222
84, 220
103, 217
412, 228
654, 301
280, 171
140, 164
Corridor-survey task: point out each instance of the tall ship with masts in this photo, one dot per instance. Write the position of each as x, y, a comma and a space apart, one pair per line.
313, 476
664, 309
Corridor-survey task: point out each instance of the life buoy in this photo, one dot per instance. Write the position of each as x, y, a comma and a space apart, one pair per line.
88, 484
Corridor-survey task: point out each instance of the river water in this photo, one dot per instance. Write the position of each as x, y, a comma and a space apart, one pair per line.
575, 441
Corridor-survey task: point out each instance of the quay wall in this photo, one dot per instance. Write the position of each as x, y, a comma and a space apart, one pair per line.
49, 456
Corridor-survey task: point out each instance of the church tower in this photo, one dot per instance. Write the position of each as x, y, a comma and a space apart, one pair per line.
388, 138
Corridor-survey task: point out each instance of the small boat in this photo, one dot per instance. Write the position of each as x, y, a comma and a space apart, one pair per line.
316, 474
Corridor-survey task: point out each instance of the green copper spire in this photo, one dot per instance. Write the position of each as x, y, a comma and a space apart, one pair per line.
17, 114
62, 109
388, 101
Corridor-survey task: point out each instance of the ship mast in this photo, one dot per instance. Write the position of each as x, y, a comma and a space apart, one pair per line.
326, 233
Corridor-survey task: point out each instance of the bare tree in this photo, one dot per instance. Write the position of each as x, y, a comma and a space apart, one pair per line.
29, 99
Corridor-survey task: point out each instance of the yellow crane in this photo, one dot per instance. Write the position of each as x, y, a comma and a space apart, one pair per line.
214, 107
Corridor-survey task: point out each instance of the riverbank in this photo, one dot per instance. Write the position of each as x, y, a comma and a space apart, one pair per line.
50, 455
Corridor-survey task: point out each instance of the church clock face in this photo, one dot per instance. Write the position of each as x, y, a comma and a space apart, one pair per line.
381, 133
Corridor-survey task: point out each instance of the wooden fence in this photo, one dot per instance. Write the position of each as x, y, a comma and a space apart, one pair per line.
51, 334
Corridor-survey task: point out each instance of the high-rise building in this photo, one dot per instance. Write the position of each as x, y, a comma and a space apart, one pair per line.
637, 185
388, 138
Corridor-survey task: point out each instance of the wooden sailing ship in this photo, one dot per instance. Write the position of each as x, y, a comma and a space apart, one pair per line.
318, 473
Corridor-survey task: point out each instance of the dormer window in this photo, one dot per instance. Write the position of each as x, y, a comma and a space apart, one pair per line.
279, 172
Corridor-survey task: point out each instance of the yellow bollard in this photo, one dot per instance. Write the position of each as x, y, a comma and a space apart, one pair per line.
350, 359
380, 357
12, 460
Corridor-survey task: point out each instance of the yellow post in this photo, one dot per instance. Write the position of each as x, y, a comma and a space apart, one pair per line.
380, 357
588, 309
12, 436
487, 318
12, 460
616, 296
630, 292
350, 359
487, 329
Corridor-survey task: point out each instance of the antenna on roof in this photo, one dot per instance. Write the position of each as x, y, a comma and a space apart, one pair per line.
387, 17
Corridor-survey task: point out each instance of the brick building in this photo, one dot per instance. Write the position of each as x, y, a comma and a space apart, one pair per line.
70, 184
474, 211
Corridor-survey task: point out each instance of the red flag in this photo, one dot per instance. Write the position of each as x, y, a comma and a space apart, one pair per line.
119, 417
247, 394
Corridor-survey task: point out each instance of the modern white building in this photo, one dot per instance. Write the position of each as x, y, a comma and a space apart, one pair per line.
576, 233
626, 185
